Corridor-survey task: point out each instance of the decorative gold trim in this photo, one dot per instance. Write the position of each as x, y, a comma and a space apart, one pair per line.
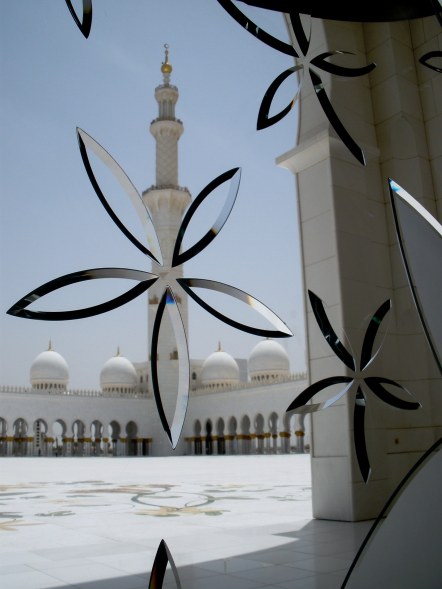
299, 433
284, 434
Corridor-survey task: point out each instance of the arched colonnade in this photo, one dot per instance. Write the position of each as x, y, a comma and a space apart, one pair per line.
271, 434
42, 438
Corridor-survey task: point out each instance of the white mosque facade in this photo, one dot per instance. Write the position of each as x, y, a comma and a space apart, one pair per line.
236, 406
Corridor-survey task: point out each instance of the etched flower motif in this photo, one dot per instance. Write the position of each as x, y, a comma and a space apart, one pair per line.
374, 383
319, 62
85, 24
165, 277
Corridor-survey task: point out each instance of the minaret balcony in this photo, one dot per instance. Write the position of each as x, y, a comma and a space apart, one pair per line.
173, 119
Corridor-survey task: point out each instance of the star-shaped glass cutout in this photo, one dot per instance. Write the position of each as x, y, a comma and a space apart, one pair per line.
173, 289
362, 382
318, 62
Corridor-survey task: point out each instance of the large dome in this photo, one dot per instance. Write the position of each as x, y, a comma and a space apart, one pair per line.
49, 370
118, 375
219, 370
268, 361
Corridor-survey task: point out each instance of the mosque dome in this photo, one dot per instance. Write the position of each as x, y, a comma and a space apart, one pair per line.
219, 370
49, 370
118, 375
268, 361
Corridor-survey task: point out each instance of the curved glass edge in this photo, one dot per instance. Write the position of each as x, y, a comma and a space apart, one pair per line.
235, 176
163, 557
173, 431
86, 23
397, 196
145, 279
86, 141
281, 328
412, 473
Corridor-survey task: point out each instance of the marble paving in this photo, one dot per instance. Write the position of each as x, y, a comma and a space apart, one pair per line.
231, 522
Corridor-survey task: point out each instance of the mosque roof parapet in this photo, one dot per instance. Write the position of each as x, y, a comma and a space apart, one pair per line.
75, 393
222, 388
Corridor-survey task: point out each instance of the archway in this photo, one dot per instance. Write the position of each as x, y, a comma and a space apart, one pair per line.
246, 440
209, 439
59, 434
260, 435
197, 436
20, 441
97, 438
3, 436
232, 437
221, 441
273, 427
40, 437
131, 443
114, 431
78, 441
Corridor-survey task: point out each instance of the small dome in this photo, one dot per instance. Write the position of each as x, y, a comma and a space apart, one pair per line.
49, 370
219, 369
118, 374
268, 360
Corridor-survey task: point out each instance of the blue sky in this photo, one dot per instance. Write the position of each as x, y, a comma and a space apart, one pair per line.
53, 80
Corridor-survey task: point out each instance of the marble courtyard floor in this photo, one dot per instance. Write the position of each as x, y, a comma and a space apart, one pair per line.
231, 522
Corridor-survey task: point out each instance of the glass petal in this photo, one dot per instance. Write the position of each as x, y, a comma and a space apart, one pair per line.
299, 405
86, 141
339, 70
254, 30
85, 24
383, 562
235, 175
375, 385
370, 334
359, 435
328, 332
420, 239
145, 279
163, 557
174, 431
281, 328
264, 120
298, 29
424, 60
342, 132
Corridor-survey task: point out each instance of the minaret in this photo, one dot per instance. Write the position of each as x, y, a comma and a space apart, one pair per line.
166, 200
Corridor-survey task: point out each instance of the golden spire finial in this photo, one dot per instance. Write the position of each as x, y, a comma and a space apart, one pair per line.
50, 346
219, 347
166, 67
118, 351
